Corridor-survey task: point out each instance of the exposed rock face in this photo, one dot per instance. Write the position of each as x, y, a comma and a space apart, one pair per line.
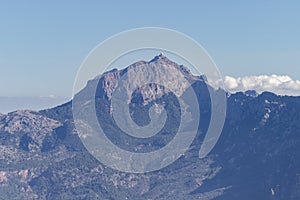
257, 156
168, 73
28, 122
27, 130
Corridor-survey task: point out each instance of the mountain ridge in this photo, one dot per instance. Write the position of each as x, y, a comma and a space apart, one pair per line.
255, 157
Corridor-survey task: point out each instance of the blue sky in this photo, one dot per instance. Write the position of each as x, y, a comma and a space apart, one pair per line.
43, 43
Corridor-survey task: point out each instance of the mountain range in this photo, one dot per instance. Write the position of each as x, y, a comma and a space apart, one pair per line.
256, 157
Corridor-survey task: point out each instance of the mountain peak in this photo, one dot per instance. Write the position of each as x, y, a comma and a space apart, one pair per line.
161, 59
161, 56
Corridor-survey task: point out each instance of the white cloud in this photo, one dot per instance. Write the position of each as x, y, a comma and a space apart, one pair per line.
278, 84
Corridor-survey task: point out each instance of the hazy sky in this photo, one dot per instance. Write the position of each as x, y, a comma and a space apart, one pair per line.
43, 43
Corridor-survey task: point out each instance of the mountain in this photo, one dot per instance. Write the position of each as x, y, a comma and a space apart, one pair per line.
256, 157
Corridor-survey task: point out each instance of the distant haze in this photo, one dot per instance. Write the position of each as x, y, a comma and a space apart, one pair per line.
9, 104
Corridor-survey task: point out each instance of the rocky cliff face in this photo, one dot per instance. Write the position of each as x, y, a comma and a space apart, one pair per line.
257, 155
137, 72
27, 130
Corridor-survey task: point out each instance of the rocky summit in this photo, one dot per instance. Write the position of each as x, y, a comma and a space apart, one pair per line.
256, 157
